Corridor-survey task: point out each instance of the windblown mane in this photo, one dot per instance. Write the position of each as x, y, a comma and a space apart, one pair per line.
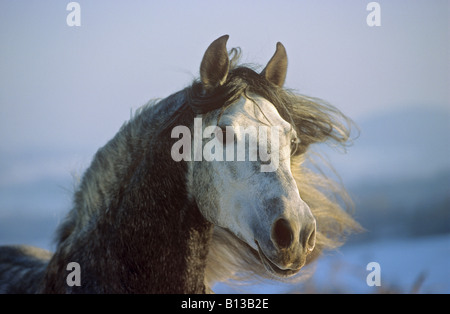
315, 122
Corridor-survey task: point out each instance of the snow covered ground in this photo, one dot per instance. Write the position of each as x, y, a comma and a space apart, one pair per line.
407, 265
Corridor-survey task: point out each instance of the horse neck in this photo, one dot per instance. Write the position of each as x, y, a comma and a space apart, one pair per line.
134, 228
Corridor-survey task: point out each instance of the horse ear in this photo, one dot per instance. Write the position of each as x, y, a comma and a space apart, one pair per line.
215, 64
276, 68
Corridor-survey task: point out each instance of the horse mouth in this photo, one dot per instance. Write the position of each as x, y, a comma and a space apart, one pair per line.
272, 268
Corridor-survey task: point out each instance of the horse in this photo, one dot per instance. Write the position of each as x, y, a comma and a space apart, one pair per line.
160, 211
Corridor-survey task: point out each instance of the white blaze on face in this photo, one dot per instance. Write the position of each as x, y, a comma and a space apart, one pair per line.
256, 168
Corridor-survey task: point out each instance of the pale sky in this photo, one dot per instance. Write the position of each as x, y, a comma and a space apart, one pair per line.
65, 91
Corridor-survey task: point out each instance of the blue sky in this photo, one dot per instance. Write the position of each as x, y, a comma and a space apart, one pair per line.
65, 91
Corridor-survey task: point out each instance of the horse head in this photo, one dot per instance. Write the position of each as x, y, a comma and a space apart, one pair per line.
243, 182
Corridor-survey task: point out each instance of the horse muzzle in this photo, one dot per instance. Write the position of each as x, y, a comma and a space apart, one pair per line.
285, 254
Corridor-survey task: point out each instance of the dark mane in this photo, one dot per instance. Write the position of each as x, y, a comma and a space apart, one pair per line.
136, 226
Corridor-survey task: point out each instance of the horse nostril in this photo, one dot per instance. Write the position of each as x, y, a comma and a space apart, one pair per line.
308, 238
282, 234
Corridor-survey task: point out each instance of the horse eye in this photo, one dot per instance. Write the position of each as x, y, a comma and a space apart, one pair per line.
294, 144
